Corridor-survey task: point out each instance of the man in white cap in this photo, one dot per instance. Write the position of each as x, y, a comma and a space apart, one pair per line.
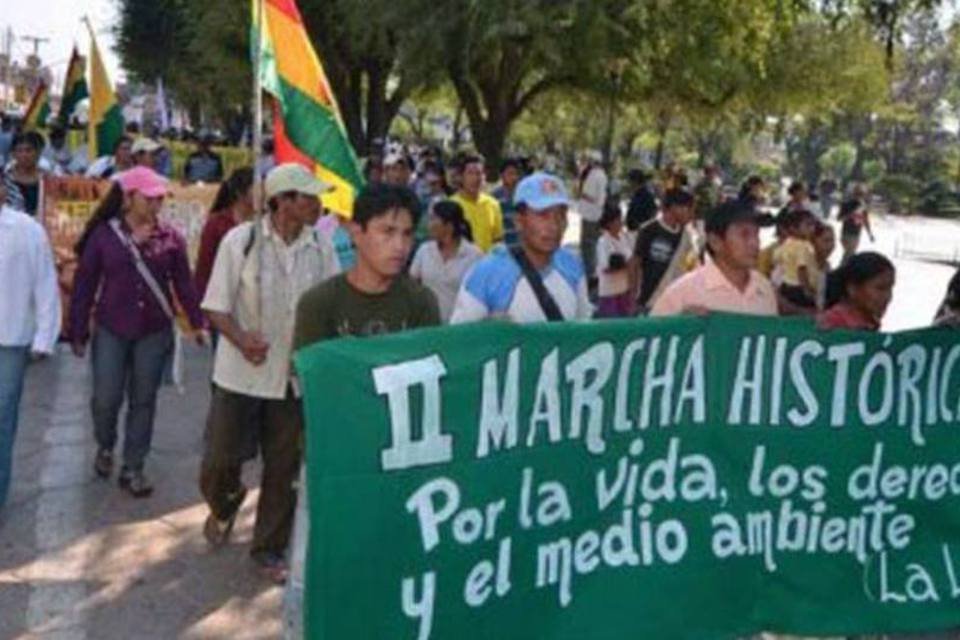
144, 152
536, 280
261, 270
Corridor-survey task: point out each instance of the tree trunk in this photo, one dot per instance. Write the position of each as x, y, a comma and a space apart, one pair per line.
663, 126
351, 110
489, 137
376, 97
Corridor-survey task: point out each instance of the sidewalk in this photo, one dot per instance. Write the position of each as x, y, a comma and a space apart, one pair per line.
79, 559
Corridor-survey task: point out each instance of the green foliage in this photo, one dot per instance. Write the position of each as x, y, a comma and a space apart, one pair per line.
838, 161
901, 192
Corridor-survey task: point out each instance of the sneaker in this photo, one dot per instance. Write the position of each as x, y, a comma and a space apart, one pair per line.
103, 464
135, 483
217, 531
273, 566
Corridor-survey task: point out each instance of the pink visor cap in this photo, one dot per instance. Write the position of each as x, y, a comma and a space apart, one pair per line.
147, 181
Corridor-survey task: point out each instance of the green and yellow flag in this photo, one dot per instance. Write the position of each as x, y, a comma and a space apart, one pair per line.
308, 128
39, 109
106, 119
74, 88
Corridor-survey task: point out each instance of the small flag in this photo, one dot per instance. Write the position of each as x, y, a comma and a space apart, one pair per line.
39, 110
106, 119
74, 87
308, 128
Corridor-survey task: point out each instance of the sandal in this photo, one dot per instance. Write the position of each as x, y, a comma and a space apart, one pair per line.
217, 531
272, 566
135, 483
103, 463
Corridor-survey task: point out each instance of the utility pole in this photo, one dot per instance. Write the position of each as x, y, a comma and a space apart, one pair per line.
36, 43
33, 72
6, 61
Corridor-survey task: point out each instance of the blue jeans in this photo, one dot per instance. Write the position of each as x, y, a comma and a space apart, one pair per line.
13, 368
133, 368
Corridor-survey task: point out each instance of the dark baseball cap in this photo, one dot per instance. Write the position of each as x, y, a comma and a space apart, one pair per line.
732, 211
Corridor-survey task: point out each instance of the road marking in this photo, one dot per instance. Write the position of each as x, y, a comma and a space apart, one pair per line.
57, 576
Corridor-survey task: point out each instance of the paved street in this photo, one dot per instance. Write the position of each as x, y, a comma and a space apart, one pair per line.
79, 559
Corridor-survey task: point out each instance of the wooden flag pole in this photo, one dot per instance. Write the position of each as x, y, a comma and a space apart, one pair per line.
257, 142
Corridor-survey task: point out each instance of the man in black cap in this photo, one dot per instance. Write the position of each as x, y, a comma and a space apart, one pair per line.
728, 281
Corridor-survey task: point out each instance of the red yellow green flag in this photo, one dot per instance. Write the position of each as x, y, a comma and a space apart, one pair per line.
74, 87
105, 127
308, 127
39, 109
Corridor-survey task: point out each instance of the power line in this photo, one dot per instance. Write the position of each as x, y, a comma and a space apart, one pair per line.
37, 41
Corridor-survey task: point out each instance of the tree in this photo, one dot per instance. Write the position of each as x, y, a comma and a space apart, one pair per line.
370, 60
201, 50
501, 55
152, 36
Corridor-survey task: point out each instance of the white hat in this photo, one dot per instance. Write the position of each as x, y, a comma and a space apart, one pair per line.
145, 145
291, 176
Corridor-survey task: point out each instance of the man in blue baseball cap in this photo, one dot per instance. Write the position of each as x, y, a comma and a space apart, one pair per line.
537, 280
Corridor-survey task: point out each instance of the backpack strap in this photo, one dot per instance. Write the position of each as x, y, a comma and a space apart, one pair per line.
547, 303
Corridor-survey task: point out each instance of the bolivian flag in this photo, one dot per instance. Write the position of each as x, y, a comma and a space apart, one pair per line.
74, 88
308, 128
106, 120
39, 109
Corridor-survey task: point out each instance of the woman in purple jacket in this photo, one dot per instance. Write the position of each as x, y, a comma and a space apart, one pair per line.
129, 261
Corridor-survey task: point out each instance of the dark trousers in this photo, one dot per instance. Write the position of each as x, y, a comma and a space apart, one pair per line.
133, 368
589, 234
238, 427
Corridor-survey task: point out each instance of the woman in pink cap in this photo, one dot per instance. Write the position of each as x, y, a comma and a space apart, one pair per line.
129, 261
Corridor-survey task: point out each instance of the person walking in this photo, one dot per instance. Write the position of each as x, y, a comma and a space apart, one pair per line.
854, 216
728, 281
643, 205
128, 263
948, 315
30, 308
511, 170
480, 209
661, 250
262, 268
614, 296
442, 262
537, 280
232, 205
204, 164
22, 179
860, 292
121, 160
795, 260
374, 297
591, 195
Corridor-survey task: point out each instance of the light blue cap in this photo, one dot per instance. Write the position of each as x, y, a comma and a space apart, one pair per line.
541, 191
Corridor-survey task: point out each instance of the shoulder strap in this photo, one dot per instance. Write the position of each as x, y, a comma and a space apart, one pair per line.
250, 240
547, 303
143, 270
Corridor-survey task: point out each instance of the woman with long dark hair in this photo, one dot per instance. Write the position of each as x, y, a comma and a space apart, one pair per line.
233, 205
442, 262
859, 293
128, 263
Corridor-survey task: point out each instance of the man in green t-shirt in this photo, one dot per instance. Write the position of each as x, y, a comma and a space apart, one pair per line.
375, 296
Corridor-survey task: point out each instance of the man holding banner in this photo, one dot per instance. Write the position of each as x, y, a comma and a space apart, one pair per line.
728, 281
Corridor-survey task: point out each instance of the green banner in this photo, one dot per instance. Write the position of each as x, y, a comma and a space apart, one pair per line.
675, 478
